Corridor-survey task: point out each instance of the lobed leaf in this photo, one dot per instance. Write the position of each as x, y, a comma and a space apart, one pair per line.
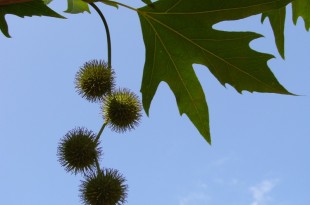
6, 2
30, 8
77, 6
148, 2
106, 2
179, 33
110, 3
47, 1
301, 8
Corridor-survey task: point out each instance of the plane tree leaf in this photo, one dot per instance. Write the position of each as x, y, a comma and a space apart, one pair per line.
47, 1
109, 3
106, 2
77, 6
277, 21
179, 33
29, 8
6, 2
301, 8
148, 2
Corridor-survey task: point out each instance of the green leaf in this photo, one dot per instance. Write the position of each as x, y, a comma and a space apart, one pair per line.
277, 21
301, 8
6, 2
148, 2
77, 6
179, 33
32, 8
106, 2
47, 1
110, 3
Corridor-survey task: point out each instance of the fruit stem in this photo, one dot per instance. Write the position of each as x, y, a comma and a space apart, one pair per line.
98, 166
100, 131
106, 30
96, 140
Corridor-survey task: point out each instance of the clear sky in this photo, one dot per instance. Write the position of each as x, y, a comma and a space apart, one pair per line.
260, 151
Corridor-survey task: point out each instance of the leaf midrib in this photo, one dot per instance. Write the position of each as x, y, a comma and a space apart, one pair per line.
175, 67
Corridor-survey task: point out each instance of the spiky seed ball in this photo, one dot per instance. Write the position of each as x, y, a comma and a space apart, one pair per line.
104, 188
94, 80
78, 150
122, 110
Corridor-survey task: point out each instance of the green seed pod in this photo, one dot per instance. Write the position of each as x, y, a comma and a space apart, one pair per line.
122, 110
78, 150
94, 80
104, 188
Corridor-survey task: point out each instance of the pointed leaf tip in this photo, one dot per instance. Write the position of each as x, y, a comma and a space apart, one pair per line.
277, 21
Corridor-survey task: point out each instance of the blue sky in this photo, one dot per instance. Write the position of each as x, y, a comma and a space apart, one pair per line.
260, 148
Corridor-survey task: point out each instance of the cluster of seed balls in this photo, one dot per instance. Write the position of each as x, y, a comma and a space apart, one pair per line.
79, 150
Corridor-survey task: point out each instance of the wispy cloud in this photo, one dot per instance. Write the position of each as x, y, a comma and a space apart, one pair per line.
196, 198
260, 192
222, 161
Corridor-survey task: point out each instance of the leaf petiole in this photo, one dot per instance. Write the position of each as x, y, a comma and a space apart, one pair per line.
121, 4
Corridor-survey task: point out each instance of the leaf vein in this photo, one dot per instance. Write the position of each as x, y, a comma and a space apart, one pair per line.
212, 11
176, 69
173, 6
207, 51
